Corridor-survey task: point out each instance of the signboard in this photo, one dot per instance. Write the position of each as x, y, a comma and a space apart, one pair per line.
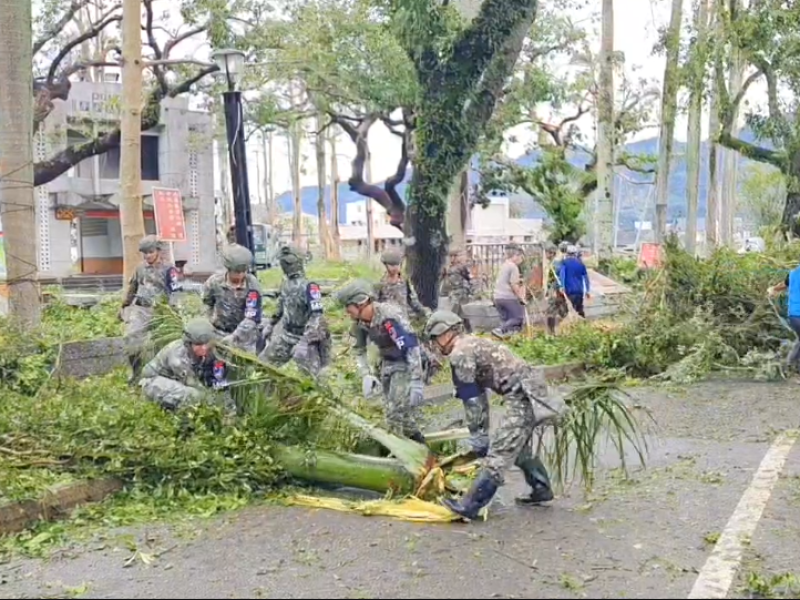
168, 210
649, 256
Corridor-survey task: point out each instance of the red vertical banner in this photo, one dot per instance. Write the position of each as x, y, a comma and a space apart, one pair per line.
168, 211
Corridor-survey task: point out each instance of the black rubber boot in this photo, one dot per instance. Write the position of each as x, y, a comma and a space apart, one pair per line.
535, 476
479, 495
136, 370
418, 437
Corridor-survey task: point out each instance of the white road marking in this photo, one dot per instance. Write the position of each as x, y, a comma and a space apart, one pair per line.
716, 576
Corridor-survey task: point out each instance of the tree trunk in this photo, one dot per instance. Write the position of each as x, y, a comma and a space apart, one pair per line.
294, 168
428, 212
348, 470
730, 158
604, 219
669, 108
131, 217
17, 199
269, 183
322, 181
697, 64
368, 201
336, 241
458, 207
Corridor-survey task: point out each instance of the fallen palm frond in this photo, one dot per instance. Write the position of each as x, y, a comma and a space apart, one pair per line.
596, 413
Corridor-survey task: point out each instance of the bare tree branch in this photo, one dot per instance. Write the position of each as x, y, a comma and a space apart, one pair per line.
169, 46
59, 25
151, 41
61, 162
77, 41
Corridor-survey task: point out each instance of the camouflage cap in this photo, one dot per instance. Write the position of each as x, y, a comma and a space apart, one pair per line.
440, 322
237, 258
149, 243
392, 257
198, 331
355, 292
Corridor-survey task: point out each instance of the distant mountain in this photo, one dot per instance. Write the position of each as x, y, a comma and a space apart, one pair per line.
632, 197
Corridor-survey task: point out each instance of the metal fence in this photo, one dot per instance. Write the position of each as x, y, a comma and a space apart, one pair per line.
485, 261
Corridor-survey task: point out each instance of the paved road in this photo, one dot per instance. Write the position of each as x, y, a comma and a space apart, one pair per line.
643, 538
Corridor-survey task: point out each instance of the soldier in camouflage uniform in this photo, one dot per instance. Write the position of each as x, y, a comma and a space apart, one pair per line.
457, 285
478, 365
304, 334
186, 372
153, 281
394, 288
556, 302
401, 370
234, 300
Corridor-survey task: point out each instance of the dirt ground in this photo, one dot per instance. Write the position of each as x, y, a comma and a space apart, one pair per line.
645, 537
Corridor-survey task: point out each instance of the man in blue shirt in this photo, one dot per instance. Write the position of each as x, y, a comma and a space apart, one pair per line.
574, 280
792, 284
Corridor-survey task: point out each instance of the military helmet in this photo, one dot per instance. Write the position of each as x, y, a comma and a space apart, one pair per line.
198, 331
392, 257
237, 258
550, 248
291, 260
572, 249
149, 243
440, 322
355, 292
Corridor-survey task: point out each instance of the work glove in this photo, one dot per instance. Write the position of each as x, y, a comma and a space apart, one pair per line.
510, 383
266, 329
417, 395
370, 386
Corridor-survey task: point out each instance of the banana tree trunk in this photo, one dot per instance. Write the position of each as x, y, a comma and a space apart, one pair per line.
348, 470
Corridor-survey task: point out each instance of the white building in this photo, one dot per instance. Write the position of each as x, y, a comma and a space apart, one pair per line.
492, 224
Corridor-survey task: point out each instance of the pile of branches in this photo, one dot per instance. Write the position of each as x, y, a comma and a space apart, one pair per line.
692, 316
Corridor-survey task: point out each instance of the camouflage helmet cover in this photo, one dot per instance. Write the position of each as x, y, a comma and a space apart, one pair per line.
440, 322
150, 243
198, 331
355, 292
291, 260
392, 257
237, 258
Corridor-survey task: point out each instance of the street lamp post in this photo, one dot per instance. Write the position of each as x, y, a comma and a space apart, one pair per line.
231, 66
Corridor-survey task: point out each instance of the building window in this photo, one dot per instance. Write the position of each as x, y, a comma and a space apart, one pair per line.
109, 162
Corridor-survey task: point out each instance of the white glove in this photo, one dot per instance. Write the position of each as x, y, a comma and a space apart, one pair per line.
370, 386
363, 365
266, 329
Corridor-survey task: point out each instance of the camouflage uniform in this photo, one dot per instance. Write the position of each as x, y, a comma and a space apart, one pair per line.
478, 365
556, 302
457, 284
235, 310
148, 285
304, 334
401, 369
399, 291
177, 378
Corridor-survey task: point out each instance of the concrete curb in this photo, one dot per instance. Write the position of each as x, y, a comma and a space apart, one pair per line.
57, 503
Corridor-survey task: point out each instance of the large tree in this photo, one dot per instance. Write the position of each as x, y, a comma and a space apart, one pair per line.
767, 35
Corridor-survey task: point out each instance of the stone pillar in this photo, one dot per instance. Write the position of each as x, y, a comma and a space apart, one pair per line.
43, 209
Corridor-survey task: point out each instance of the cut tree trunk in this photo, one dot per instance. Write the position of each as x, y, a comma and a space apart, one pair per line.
130, 174
294, 167
347, 470
669, 108
17, 198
